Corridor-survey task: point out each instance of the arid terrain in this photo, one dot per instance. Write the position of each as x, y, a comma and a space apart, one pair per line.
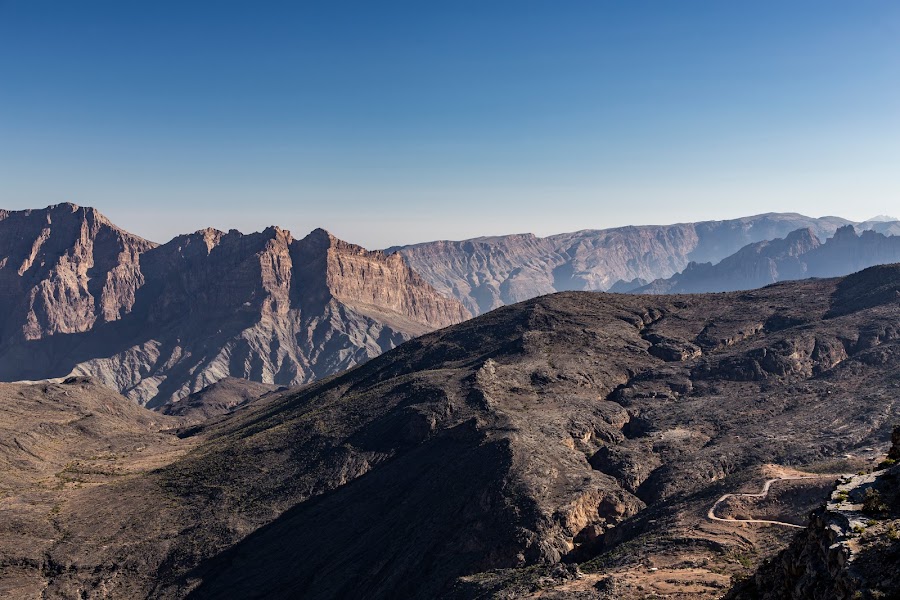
157, 323
492, 300
565, 447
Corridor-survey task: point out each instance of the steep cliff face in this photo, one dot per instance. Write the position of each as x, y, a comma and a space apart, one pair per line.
485, 273
210, 305
798, 255
64, 269
379, 286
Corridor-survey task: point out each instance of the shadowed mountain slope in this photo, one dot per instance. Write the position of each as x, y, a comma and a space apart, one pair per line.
586, 427
217, 399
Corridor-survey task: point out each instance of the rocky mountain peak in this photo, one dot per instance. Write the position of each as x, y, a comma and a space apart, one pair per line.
204, 306
63, 269
804, 237
321, 236
845, 232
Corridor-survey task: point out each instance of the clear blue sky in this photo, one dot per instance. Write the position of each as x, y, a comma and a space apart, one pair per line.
394, 122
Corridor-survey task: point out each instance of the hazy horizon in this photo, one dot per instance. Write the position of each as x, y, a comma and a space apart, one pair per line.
303, 230
398, 122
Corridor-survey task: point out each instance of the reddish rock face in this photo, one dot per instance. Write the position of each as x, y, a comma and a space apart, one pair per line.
158, 323
64, 269
378, 285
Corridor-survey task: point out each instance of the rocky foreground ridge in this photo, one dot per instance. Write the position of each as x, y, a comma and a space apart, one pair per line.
565, 447
82, 297
851, 548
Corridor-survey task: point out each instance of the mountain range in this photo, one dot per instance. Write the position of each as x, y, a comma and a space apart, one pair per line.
82, 297
254, 415
485, 273
158, 322
797, 256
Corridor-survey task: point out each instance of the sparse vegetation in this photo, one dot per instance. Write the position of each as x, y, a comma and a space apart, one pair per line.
744, 560
873, 503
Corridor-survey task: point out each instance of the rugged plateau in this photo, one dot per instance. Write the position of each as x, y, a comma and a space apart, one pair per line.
488, 272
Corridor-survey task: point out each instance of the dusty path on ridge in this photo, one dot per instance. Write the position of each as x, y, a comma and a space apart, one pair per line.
711, 514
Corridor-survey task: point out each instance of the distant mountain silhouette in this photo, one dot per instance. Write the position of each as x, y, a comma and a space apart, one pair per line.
485, 273
797, 256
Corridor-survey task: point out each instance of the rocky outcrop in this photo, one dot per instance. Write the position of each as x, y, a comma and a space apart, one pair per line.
799, 255
211, 305
850, 549
484, 273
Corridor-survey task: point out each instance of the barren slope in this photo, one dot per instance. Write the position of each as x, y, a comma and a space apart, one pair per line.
584, 427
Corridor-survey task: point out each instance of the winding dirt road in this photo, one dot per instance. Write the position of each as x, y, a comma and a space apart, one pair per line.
765, 492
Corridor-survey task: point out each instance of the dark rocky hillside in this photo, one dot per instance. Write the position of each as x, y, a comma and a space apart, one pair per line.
566, 447
220, 398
